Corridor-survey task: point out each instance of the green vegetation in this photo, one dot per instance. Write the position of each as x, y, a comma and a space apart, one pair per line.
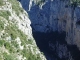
10, 45
78, 1
5, 14
15, 6
2, 42
1, 25
14, 32
29, 55
7, 45
75, 3
1, 2
29, 41
14, 43
8, 57
11, 30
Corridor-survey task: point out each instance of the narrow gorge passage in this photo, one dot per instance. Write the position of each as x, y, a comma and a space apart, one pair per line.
44, 41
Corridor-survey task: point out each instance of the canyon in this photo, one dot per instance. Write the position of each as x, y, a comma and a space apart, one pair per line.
39, 30
55, 26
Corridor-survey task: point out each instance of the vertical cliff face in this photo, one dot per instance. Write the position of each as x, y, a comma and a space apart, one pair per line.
48, 17
56, 15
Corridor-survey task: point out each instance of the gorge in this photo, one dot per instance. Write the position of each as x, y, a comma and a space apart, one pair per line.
39, 29
55, 25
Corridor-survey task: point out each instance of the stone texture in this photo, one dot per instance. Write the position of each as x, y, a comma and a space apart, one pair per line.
55, 15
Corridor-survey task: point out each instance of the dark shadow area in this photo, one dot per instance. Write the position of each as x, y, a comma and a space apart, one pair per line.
74, 51
78, 22
19, 0
43, 39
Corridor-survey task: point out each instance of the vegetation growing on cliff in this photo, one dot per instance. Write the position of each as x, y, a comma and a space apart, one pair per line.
75, 3
1, 2
14, 43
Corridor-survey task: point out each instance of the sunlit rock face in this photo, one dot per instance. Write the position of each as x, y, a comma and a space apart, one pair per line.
16, 32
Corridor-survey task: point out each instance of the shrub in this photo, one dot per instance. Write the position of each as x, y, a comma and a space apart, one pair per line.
15, 6
12, 31
5, 14
8, 57
14, 43
1, 2
2, 42
9, 47
1, 25
75, 3
28, 54
29, 41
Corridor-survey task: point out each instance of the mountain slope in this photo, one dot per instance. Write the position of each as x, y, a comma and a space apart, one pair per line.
16, 41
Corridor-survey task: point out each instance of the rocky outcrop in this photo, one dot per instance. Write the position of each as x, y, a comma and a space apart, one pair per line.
16, 40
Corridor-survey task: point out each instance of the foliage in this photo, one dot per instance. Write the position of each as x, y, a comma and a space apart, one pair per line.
12, 30
9, 47
14, 43
78, 1
1, 25
8, 57
29, 55
2, 43
1, 2
5, 14
75, 3
15, 6
29, 41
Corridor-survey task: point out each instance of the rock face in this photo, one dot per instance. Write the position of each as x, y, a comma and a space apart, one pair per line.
55, 15
16, 40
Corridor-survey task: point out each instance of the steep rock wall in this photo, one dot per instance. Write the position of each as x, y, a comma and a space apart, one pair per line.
55, 15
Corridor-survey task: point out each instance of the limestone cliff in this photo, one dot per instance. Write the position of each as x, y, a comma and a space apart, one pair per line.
16, 40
